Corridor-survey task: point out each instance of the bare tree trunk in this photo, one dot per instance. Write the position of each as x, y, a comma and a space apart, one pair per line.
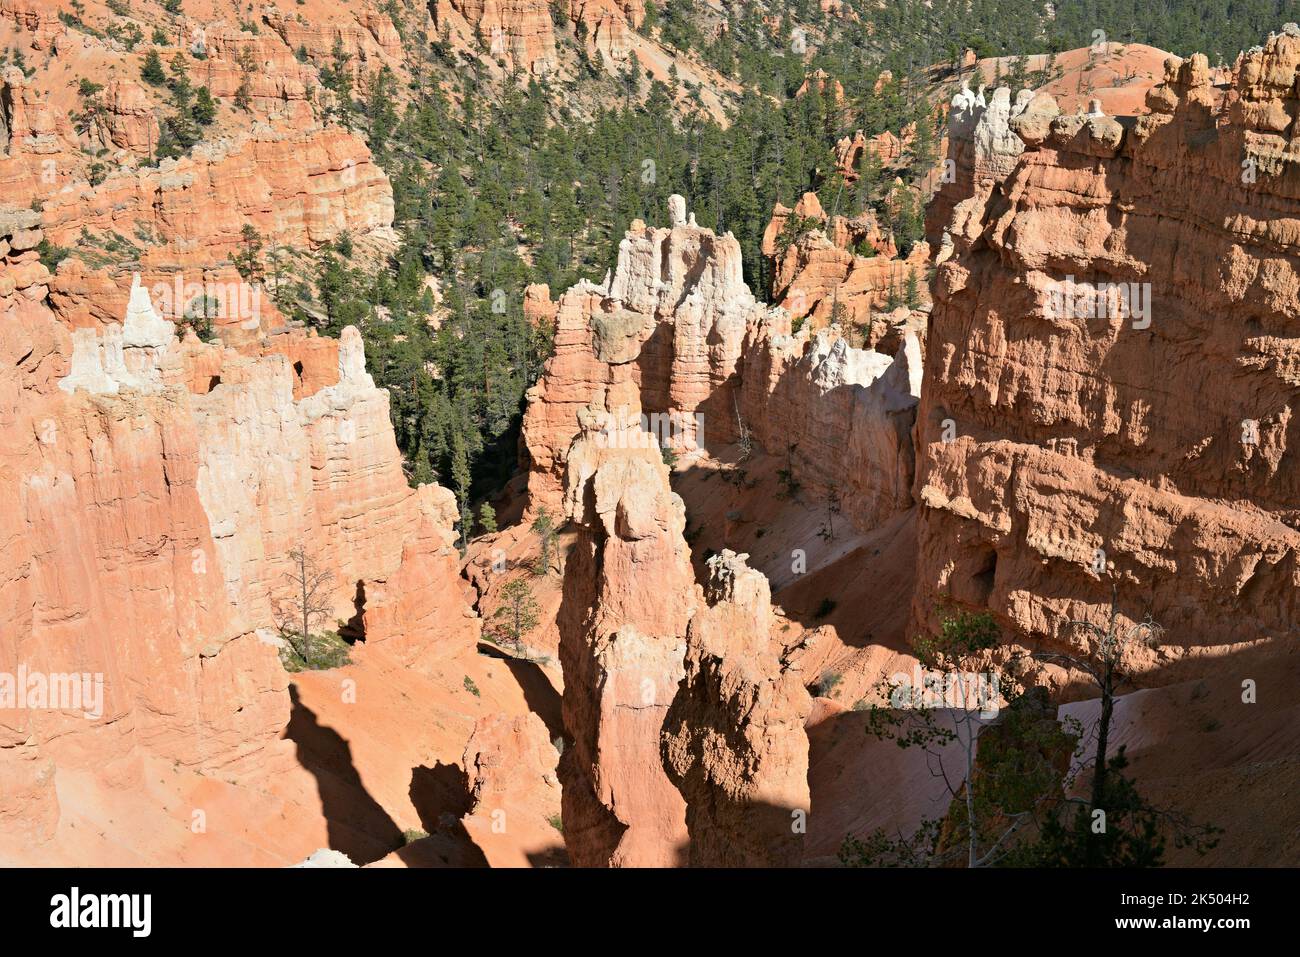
306, 609
972, 834
1103, 738
1103, 735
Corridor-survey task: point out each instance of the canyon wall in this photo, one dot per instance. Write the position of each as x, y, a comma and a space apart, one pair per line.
518, 33
662, 334
514, 793
180, 224
86, 108
153, 490
523, 34
297, 189
674, 333
686, 714
841, 417
1075, 439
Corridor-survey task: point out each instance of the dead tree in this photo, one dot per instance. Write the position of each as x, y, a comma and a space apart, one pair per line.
309, 603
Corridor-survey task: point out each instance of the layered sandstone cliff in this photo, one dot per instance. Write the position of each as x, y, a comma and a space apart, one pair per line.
82, 107
840, 270
841, 417
1073, 436
518, 33
154, 488
525, 35
662, 335
674, 343
179, 225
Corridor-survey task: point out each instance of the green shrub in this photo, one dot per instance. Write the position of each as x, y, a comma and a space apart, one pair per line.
327, 650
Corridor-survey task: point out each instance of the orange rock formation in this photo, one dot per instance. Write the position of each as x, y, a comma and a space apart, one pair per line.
1059, 453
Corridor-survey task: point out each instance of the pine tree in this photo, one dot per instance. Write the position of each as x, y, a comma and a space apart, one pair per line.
152, 71
518, 612
204, 109
487, 518
544, 527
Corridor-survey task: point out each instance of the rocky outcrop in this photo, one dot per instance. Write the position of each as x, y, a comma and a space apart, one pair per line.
180, 224
152, 489
675, 331
629, 593
839, 269
662, 336
28, 124
539, 308
841, 417
687, 720
734, 739
861, 232
884, 147
1075, 437
982, 151
517, 32
521, 34
363, 33
30, 15
84, 111
1117, 75
325, 858
296, 189
608, 25
636, 634
513, 789
128, 121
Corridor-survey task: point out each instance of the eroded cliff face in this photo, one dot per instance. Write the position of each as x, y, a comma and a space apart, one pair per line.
661, 335
674, 342
686, 717
522, 33
1075, 438
184, 222
297, 189
841, 417
686, 712
153, 490
55, 132
823, 275
518, 33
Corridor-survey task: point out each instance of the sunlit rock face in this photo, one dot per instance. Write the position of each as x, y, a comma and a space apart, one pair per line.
674, 342
153, 488
629, 593
1111, 369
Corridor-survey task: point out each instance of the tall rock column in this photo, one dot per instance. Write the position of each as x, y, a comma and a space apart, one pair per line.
663, 335
628, 596
734, 739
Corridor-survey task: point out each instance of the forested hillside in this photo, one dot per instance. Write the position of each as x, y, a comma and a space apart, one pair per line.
501, 184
